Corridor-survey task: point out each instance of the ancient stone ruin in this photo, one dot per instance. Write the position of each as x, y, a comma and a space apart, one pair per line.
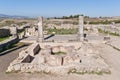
60, 57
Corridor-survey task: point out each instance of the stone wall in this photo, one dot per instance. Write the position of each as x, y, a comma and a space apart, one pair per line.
27, 59
79, 61
62, 26
33, 49
7, 43
4, 32
108, 28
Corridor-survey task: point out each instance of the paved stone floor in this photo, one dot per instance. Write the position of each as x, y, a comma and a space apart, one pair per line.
62, 38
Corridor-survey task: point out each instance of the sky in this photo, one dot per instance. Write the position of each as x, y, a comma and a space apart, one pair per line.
52, 8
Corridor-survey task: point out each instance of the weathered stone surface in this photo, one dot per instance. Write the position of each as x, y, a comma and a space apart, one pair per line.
56, 70
77, 59
22, 54
17, 67
13, 30
39, 59
81, 24
40, 29
56, 49
47, 47
53, 60
63, 49
75, 62
33, 49
70, 49
27, 59
10, 69
68, 60
45, 52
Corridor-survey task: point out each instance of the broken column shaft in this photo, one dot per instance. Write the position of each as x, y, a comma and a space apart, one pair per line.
81, 28
40, 29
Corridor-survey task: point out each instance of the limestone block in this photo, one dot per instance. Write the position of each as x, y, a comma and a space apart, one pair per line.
56, 70
17, 67
47, 46
13, 30
67, 60
10, 69
27, 59
55, 49
33, 49
22, 53
63, 49
70, 49
46, 52
38, 59
77, 59
23, 68
53, 60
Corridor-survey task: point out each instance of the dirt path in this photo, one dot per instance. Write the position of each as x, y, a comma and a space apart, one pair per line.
4, 63
112, 57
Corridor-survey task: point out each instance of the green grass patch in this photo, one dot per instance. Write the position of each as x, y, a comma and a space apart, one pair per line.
62, 31
86, 72
108, 32
18, 44
9, 22
12, 72
9, 47
3, 38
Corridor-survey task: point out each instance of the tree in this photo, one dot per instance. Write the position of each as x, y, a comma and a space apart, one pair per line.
70, 16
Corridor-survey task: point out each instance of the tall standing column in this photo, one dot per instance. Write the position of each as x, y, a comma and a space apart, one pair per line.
40, 29
81, 28
13, 30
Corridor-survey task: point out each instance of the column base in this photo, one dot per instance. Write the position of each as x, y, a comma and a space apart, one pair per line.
40, 39
80, 37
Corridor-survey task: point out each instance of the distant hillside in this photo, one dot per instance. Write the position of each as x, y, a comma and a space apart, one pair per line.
11, 16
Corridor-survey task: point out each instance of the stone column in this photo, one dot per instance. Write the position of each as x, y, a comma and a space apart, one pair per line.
13, 30
40, 29
81, 28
